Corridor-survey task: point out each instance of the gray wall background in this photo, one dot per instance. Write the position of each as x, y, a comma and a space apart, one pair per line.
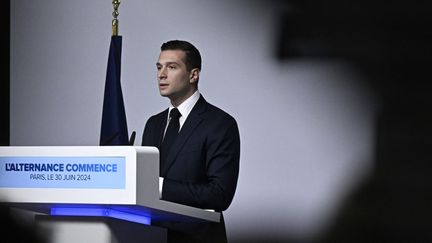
307, 126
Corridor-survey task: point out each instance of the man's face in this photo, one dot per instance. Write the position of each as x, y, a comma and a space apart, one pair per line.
175, 82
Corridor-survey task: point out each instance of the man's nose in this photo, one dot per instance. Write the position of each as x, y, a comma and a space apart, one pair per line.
162, 73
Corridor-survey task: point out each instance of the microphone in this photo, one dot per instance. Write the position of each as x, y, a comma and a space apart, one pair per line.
132, 138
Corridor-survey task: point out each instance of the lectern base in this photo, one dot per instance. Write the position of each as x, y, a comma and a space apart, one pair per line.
97, 230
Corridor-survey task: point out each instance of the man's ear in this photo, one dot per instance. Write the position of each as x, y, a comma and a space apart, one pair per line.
194, 75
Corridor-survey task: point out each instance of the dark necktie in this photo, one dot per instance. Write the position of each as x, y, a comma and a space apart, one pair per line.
170, 134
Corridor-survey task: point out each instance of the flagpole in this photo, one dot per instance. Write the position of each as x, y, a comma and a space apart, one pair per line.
114, 129
115, 22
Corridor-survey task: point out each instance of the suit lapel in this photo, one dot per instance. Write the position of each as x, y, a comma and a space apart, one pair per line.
192, 121
161, 128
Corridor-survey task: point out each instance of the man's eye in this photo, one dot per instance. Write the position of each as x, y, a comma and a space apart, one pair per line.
171, 67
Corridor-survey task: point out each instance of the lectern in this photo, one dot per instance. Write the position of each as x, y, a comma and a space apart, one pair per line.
92, 193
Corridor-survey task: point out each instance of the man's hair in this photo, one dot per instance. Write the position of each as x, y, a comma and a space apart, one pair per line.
193, 57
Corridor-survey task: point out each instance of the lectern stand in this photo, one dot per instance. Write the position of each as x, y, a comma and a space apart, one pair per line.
106, 194
69, 229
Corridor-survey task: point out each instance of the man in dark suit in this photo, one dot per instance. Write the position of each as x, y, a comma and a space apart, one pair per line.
201, 167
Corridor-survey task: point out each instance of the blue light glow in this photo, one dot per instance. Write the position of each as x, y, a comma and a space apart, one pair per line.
101, 212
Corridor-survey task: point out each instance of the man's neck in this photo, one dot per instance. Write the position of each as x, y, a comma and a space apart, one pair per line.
178, 101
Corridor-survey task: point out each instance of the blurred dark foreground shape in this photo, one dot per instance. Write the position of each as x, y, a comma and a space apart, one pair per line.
15, 231
390, 42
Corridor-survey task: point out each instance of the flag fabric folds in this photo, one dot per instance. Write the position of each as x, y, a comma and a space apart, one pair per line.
114, 129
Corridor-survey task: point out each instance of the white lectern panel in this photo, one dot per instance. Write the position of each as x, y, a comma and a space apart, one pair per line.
93, 175
120, 177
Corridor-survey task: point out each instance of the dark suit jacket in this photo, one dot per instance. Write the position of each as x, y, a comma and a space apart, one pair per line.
201, 169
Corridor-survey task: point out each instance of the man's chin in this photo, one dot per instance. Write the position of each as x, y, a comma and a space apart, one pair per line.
163, 94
